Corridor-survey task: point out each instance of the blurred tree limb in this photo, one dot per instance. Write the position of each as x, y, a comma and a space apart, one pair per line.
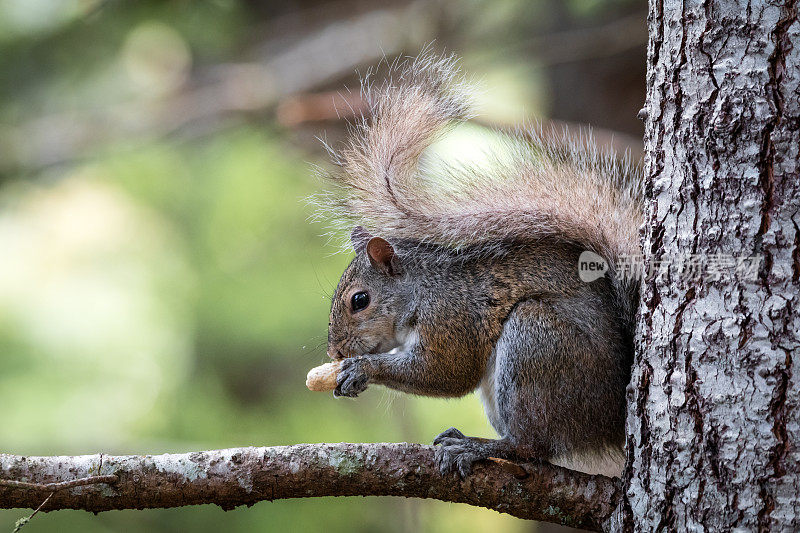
244, 476
280, 68
217, 93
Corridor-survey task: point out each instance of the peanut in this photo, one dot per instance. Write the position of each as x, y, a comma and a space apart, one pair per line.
323, 377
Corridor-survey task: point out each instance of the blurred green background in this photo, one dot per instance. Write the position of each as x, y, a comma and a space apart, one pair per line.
161, 286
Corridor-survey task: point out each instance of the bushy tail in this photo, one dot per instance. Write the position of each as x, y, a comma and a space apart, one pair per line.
538, 186
418, 100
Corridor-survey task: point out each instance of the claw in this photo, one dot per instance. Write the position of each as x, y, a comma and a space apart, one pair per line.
451, 433
464, 464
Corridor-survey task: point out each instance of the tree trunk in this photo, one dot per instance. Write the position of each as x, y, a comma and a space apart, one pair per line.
713, 423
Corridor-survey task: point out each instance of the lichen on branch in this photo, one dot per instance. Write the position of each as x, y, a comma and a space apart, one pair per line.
244, 476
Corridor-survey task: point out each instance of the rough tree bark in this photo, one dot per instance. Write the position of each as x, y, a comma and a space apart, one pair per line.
712, 432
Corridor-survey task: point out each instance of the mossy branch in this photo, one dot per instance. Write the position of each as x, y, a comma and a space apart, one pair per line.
244, 476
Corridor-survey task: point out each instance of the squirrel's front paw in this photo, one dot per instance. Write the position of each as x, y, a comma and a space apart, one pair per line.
351, 379
456, 453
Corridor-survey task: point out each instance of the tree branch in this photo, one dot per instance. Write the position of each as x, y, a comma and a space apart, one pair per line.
244, 476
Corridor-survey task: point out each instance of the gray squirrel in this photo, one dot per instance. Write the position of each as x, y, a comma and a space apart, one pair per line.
468, 278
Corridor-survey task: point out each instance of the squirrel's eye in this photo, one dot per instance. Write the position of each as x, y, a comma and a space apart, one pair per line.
359, 301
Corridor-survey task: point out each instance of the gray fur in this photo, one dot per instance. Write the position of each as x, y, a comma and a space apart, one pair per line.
482, 287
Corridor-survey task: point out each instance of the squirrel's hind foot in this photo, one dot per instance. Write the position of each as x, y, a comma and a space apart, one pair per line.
456, 452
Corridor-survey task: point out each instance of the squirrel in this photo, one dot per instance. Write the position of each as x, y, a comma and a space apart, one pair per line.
468, 279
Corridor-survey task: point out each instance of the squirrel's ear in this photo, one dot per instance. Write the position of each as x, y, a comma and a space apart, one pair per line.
359, 238
382, 256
